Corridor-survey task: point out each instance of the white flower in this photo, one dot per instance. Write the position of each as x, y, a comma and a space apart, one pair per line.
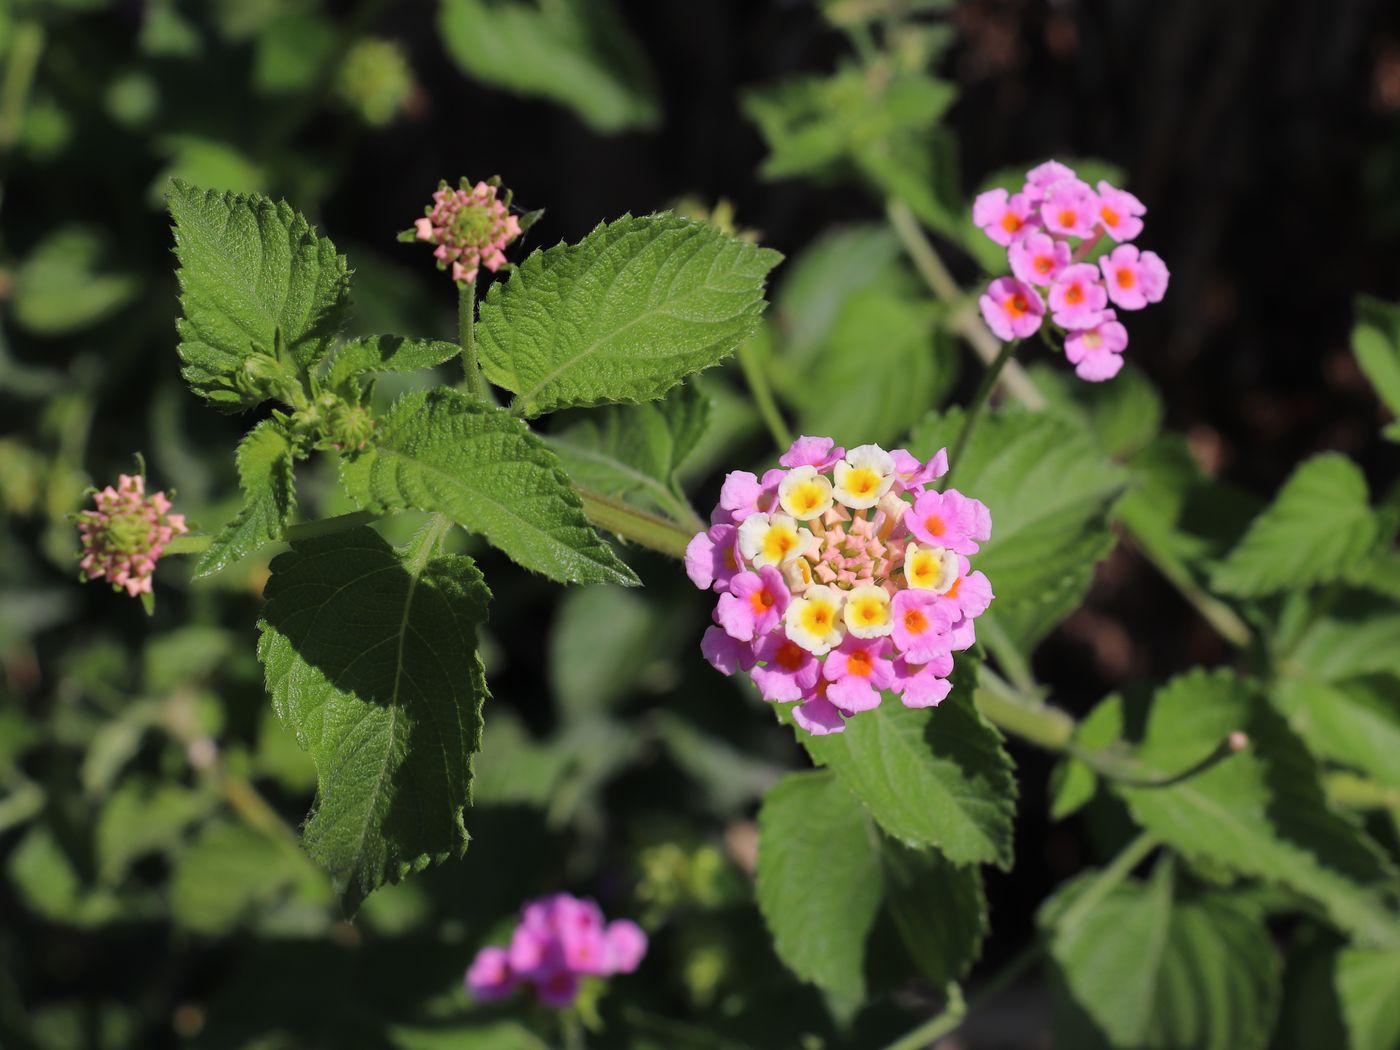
863, 476
813, 621
867, 612
930, 568
804, 493
773, 539
797, 574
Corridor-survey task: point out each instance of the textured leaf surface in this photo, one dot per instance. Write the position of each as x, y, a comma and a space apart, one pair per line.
387, 353
624, 315
484, 469
1318, 526
824, 872
578, 53
932, 777
265, 474
1155, 969
1049, 490
635, 451
1368, 988
1261, 812
252, 272
819, 884
370, 656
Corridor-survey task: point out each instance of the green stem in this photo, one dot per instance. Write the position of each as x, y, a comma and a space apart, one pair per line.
763, 395
1354, 792
956, 1012
26, 48
622, 519
473, 382
979, 400
1127, 770
963, 320
1133, 854
198, 542
1025, 716
937, 1026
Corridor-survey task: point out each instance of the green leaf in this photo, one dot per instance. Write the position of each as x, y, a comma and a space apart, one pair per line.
387, 353
636, 451
1261, 812
938, 908
370, 656
498, 1035
602, 641
819, 881
49, 883
254, 278
61, 287
231, 872
1049, 491
1154, 968
846, 391
578, 53
1376, 343
1366, 984
1123, 417
483, 468
144, 816
932, 777
1354, 723
1318, 527
624, 315
265, 474
1072, 782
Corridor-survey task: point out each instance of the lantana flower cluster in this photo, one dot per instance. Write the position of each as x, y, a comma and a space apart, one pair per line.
125, 534
470, 227
1050, 228
559, 941
842, 576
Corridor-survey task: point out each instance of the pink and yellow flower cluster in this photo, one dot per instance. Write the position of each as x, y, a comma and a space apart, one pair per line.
470, 227
842, 576
1050, 230
125, 534
559, 941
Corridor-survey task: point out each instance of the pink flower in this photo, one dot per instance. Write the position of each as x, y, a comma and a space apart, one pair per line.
754, 605
789, 672
819, 452
1038, 258
920, 624
125, 534
1118, 212
1097, 352
725, 654
559, 939
819, 716
1134, 278
1043, 176
743, 494
1077, 297
949, 519
1012, 309
490, 976
1002, 216
911, 474
969, 596
857, 671
923, 685
469, 227
1069, 208
626, 946
712, 557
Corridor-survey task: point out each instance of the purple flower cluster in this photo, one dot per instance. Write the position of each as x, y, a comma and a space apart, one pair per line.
125, 534
1050, 229
560, 940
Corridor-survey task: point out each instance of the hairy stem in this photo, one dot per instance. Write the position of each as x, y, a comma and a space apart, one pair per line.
964, 320
473, 382
979, 400
763, 395
645, 530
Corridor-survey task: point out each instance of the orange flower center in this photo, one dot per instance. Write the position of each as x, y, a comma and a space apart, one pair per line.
1044, 264
952, 592
1126, 278
915, 622
1016, 305
1074, 295
1068, 217
1011, 222
761, 600
1110, 217
935, 525
789, 657
858, 664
